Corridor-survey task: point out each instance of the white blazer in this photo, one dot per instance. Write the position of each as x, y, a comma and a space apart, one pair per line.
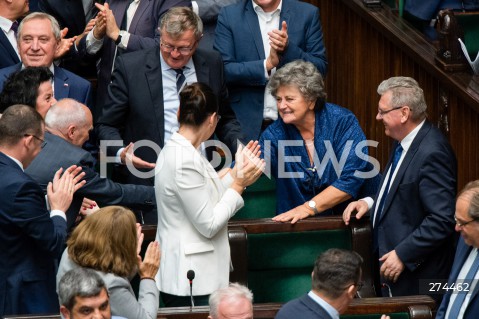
194, 206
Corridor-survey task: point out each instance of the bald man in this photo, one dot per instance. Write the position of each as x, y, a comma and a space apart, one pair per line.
68, 124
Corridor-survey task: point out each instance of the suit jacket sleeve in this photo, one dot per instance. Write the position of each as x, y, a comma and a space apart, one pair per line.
209, 9
115, 111
34, 220
107, 192
437, 190
315, 51
124, 303
237, 72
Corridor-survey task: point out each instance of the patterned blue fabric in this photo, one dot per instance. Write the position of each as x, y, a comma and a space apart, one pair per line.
336, 128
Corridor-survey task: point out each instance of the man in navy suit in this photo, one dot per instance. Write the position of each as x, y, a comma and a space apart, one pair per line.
256, 37
413, 211
68, 124
10, 13
336, 279
467, 224
143, 96
39, 37
31, 237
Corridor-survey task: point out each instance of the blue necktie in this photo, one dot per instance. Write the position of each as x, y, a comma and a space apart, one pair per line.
456, 306
180, 79
14, 27
397, 156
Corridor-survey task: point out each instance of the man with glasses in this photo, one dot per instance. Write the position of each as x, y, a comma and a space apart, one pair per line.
143, 95
462, 301
31, 237
412, 213
336, 279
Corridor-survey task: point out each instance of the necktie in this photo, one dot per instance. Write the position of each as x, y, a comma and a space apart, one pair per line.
456, 306
180, 79
397, 156
14, 27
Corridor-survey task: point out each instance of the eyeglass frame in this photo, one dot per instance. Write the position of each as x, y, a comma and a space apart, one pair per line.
459, 224
382, 113
359, 285
168, 48
36, 137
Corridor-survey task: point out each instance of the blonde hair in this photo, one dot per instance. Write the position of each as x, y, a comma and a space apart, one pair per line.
106, 241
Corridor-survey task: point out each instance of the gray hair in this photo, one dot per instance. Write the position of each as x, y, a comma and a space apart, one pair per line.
41, 16
303, 75
79, 282
65, 113
472, 190
233, 291
177, 20
405, 91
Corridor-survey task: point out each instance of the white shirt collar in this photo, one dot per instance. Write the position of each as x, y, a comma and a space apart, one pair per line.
5, 24
16, 161
326, 306
407, 141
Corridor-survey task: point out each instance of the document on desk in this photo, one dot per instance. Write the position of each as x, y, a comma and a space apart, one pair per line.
474, 64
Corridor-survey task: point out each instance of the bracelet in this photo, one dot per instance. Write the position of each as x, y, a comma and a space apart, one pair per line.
148, 278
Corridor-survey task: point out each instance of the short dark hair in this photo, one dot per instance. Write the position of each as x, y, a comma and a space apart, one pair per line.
17, 121
79, 282
22, 87
335, 270
197, 102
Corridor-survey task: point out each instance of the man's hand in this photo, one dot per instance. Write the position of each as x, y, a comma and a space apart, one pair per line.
295, 214
64, 45
392, 266
272, 60
85, 32
127, 156
60, 191
112, 30
278, 39
360, 207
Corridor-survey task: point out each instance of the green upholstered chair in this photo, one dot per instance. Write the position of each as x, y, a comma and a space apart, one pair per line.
259, 200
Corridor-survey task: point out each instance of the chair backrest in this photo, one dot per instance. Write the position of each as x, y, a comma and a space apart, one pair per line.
259, 200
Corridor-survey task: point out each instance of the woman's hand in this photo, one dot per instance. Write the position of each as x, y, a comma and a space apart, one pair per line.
140, 236
88, 207
150, 265
248, 167
295, 214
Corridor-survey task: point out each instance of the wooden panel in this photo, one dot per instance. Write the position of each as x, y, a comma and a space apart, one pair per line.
366, 46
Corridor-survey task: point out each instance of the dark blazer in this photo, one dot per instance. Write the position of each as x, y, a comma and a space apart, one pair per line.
69, 13
8, 56
472, 310
418, 216
30, 241
60, 153
66, 84
134, 108
304, 307
143, 34
238, 39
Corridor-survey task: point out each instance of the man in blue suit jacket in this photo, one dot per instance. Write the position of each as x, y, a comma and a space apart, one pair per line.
31, 238
413, 233
467, 223
243, 45
336, 279
39, 53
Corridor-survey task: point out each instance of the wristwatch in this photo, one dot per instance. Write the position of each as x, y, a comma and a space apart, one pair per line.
312, 206
118, 40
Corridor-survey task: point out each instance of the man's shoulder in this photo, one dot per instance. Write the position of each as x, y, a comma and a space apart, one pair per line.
73, 78
5, 72
301, 308
142, 56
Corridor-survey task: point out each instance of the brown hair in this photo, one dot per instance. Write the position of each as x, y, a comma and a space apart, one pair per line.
106, 241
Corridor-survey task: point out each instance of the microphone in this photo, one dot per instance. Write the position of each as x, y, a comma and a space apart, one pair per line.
191, 275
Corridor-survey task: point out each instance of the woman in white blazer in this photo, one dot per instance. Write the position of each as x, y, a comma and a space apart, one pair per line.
195, 202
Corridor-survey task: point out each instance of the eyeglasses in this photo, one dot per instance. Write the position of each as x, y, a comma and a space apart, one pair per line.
462, 224
382, 113
36, 137
359, 285
182, 50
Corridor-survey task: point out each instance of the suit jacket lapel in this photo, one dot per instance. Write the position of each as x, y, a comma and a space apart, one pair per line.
404, 165
119, 9
143, 7
285, 14
62, 87
8, 47
252, 22
201, 68
155, 87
